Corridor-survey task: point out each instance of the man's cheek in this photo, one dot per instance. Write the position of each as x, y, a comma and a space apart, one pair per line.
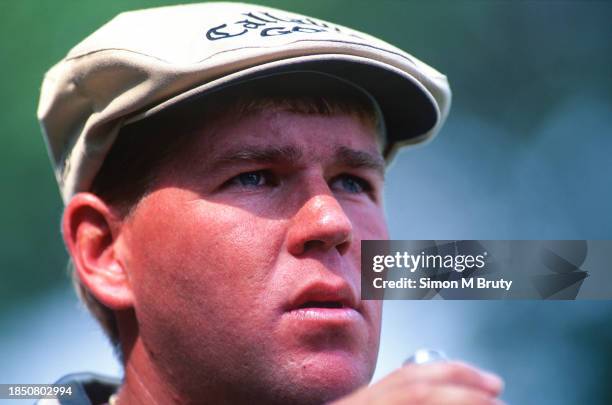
219, 256
368, 221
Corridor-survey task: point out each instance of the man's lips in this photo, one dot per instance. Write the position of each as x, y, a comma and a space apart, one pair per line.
324, 301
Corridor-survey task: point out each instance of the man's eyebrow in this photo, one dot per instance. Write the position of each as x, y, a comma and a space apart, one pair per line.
265, 154
344, 156
360, 159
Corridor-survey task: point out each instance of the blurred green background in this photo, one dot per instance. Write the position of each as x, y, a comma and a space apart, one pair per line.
526, 154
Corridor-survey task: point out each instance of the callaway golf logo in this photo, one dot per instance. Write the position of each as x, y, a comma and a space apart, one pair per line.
268, 25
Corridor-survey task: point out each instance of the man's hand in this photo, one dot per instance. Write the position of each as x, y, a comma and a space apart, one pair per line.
451, 383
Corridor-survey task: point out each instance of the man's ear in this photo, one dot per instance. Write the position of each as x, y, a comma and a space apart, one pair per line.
91, 231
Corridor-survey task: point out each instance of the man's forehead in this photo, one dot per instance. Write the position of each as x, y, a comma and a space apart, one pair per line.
287, 136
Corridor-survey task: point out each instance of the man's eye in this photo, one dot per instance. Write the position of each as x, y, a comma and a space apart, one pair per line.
350, 184
251, 179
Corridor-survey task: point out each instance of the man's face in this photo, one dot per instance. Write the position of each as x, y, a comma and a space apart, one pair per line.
245, 259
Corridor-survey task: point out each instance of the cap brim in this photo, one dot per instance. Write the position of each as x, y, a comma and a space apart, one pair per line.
409, 110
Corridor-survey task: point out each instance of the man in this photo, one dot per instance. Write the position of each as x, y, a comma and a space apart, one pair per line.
220, 164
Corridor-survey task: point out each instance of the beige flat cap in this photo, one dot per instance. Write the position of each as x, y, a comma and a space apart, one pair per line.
144, 61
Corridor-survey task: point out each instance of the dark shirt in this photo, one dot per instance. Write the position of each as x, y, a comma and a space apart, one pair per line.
88, 389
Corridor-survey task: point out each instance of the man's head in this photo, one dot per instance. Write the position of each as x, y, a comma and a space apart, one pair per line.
237, 255
214, 218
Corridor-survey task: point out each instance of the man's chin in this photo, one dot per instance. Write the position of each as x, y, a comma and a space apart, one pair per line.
322, 377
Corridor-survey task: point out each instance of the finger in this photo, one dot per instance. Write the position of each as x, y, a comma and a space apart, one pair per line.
455, 373
432, 394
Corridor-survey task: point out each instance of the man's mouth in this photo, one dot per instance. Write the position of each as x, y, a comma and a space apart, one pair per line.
325, 302
322, 304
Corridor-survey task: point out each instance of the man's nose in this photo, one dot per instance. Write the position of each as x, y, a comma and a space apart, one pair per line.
320, 224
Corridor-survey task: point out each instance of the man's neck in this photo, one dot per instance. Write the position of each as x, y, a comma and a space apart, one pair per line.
143, 384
